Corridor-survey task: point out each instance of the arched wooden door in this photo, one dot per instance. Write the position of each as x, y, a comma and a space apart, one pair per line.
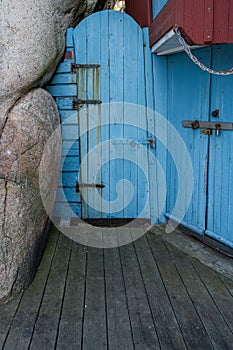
114, 133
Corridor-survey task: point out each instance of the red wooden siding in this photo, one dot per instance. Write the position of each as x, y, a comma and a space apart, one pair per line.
201, 21
141, 11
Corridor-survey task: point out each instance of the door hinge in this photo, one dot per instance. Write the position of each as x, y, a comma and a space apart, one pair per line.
75, 66
86, 185
76, 103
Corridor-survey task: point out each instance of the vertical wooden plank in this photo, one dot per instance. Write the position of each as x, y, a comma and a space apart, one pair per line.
25, 318
49, 315
222, 10
94, 115
143, 199
69, 37
80, 42
151, 115
140, 11
160, 94
105, 98
94, 327
193, 17
130, 90
70, 326
116, 81
220, 190
188, 99
119, 328
209, 21
161, 308
143, 329
230, 26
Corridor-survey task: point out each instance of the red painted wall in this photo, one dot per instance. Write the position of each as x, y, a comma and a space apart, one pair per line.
201, 21
141, 11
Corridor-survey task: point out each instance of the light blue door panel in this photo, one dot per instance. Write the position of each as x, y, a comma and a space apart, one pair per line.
220, 180
188, 99
113, 41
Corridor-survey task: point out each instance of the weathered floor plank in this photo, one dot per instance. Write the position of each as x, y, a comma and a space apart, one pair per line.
119, 327
71, 322
216, 327
142, 323
169, 333
144, 295
25, 318
7, 314
220, 295
193, 331
46, 327
95, 325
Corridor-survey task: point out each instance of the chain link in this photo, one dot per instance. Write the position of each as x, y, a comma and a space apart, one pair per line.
195, 59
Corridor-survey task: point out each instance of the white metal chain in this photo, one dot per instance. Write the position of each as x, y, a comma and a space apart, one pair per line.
195, 59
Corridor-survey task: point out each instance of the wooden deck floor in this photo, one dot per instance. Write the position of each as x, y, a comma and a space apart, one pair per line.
145, 295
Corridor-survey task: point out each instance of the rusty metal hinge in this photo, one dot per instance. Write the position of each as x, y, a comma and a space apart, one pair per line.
78, 185
75, 66
77, 102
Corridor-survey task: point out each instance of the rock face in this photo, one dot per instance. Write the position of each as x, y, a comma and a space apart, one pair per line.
32, 44
22, 215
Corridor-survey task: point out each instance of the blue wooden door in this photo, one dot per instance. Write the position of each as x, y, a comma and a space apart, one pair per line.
220, 176
194, 95
188, 99
113, 131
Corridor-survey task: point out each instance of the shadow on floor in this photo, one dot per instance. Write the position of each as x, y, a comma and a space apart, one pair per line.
144, 295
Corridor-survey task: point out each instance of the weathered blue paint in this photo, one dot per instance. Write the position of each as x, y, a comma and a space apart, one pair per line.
63, 87
150, 104
63, 90
119, 49
188, 98
194, 94
160, 93
157, 6
220, 174
174, 87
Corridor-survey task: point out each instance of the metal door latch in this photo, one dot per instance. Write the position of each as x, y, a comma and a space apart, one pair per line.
133, 143
78, 185
207, 127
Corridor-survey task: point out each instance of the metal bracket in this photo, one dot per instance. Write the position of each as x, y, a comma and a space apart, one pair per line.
196, 124
78, 185
77, 102
133, 143
75, 66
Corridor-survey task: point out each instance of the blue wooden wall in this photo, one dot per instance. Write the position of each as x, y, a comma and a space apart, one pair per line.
184, 92
157, 6
63, 88
178, 90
